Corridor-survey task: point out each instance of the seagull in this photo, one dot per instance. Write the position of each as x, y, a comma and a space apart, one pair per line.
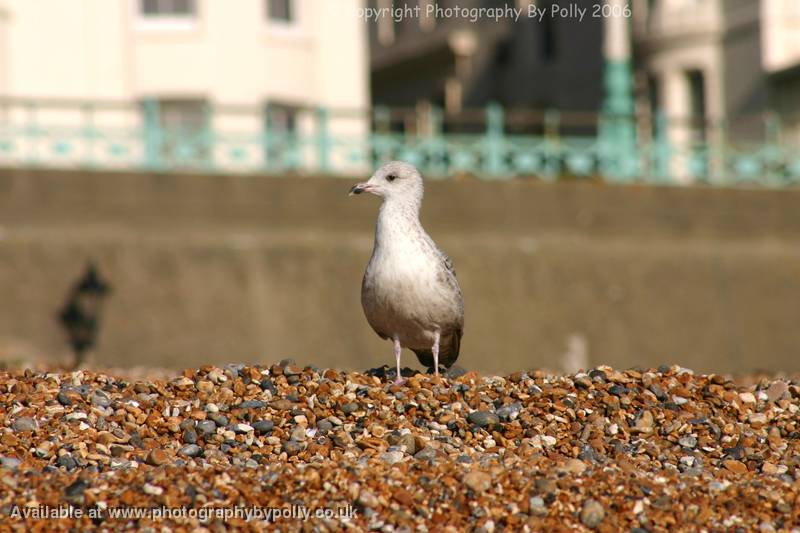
409, 293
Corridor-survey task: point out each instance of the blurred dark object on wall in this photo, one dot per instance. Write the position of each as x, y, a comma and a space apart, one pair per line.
81, 314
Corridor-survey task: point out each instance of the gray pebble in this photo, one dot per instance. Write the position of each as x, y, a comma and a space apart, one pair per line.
190, 450
588, 453
510, 412
536, 506
266, 384
392, 457
324, 425
63, 399
206, 428
618, 390
235, 368
252, 404
455, 371
405, 442
67, 461
658, 391
679, 400
592, 513
190, 436
10, 463
241, 428
100, 399
688, 441
292, 447
298, 434
426, 454
25, 423
717, 486
74, 492
483, 418
349, 408
220, 420
263, 427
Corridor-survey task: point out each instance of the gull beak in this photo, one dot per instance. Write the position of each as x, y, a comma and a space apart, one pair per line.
358, 188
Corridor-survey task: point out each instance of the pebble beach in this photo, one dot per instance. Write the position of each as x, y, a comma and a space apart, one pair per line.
294, 448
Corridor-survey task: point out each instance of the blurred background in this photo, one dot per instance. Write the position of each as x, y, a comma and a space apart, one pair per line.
616, 181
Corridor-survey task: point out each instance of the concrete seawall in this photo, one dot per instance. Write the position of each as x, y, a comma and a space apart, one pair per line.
216, 269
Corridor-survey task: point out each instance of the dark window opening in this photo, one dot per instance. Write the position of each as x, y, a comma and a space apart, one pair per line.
547, 45
183, 127
170, 8
280, 10
281, 122
653, 96
697, 103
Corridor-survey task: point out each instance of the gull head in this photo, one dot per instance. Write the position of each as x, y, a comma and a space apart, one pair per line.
394, 181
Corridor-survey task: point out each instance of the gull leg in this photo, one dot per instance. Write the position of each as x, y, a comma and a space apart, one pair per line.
435, 351
397, 350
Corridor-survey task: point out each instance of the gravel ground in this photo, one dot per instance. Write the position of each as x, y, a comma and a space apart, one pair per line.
656, 450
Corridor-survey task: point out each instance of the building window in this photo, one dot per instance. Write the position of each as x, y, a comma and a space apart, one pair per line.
280, 11
182, 114
167, 8
697, 102
183, 127
654, 103
281, 124
547, 44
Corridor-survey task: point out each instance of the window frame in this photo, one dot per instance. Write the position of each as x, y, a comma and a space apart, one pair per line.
165, 22
291, 28
278, 155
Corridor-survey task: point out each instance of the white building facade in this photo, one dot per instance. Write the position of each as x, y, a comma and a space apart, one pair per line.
197, 67
708, 60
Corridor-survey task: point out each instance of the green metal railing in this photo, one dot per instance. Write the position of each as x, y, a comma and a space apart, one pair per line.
491, 143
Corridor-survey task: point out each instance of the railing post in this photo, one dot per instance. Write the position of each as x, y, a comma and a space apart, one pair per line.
552, 148
33, 132
89, 133
661, 151
773, 148
494, 140
438, 143
381, 146
266, 139
206, 152
152, 135
720, 166
323, 140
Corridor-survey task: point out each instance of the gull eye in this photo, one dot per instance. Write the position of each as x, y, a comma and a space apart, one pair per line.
391, 177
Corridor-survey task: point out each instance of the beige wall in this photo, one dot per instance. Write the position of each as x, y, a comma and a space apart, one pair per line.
214, 269
780, 34
230, 53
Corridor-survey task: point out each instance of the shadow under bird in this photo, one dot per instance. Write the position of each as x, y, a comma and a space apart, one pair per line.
410, 293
